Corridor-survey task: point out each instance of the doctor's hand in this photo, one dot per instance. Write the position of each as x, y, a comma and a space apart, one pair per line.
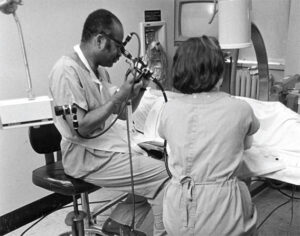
126, 91
9, 6
130, 88
139, 82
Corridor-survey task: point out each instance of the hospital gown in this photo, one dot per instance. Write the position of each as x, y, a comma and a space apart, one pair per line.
205, 134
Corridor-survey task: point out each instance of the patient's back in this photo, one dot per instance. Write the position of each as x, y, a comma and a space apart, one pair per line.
206, 131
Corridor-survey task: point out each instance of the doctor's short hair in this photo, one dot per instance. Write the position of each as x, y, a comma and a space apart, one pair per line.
97, 22
198, 65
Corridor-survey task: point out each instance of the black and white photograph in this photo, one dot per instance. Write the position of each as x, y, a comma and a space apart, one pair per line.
149, 118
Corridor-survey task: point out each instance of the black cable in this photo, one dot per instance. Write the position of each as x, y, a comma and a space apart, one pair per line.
67, 109
124, 104
258, 180
105, 130
128, 55
287, 195
165, 155
292, 207
129, 144
214, 12
131, 171
35, 223
43, 217
161, 88
280, 186
268, 216
291, 199
276, 185
57, 209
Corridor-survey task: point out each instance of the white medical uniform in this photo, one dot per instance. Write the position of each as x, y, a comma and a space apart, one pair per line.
104, 160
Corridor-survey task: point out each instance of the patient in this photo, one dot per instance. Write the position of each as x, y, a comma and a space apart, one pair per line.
207, 132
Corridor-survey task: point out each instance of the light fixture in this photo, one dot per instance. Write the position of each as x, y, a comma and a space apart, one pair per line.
234, 23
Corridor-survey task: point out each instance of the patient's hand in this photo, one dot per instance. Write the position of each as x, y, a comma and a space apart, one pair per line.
248, 142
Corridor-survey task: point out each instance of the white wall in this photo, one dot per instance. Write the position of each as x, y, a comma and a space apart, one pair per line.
51, 28
293, 43
272, 19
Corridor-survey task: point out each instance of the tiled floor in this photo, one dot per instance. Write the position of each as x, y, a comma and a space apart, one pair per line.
285, 221
54, 224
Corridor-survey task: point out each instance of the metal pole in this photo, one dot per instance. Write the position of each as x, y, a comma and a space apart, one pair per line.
29, 91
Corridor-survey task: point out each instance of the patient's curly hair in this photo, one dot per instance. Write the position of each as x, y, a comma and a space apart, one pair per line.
198, 65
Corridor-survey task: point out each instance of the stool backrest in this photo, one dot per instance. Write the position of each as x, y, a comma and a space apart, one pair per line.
45, 140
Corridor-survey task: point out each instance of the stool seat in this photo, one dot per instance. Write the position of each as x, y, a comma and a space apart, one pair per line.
46, 140
53, 178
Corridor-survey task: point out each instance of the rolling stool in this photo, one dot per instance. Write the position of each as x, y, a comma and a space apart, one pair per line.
45, 140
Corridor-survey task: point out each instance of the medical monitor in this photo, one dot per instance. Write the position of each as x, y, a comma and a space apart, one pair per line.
192, 19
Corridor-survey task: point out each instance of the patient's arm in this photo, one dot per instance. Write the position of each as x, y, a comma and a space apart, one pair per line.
248, 142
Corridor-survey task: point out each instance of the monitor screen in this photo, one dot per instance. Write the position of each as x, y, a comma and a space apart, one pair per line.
192, 19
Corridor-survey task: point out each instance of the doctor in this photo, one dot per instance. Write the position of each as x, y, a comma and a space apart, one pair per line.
81, 79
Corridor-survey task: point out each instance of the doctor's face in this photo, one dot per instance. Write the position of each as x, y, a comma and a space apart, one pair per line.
113, 45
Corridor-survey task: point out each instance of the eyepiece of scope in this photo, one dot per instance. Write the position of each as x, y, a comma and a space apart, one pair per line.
126, 53
128, 38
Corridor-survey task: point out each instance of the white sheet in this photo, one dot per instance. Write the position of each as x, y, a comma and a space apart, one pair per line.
276, 148
279, 134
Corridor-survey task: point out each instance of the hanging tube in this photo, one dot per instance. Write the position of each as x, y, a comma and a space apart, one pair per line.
29, 91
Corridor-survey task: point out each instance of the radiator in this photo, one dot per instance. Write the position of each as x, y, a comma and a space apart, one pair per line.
246, 84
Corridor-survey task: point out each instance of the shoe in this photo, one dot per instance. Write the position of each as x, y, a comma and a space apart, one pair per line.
111, 227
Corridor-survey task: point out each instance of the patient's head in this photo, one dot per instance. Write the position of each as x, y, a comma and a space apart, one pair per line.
198, 65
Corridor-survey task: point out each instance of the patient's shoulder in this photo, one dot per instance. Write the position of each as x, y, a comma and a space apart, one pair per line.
239, 105
239, 100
